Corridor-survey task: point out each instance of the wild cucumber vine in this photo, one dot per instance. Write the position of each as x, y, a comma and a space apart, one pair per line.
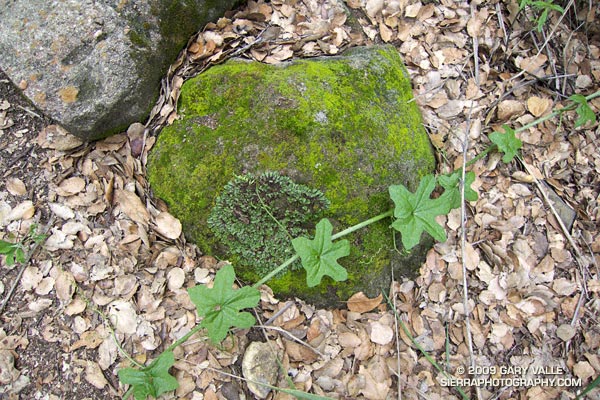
16, 252
543, 7
220, 307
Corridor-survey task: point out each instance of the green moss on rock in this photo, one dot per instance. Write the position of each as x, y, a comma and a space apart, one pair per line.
343, 125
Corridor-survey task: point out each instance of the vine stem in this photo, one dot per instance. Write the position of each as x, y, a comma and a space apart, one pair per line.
533, 123
184, 338
345, 232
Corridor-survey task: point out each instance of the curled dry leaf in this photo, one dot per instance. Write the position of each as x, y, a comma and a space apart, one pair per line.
360, 303
533, 65
132, 206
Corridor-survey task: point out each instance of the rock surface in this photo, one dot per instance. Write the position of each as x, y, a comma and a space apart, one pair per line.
260, 365
342, 125
95, 66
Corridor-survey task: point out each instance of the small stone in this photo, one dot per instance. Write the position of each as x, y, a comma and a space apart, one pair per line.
260, 365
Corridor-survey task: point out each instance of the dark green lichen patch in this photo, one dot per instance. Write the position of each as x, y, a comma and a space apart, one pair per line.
343, 125
256, 217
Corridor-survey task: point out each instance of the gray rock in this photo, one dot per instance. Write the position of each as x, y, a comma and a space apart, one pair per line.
95, 66
260, 365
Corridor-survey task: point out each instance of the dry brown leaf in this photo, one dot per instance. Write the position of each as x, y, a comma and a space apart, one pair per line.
70, 186
374, 7
77, 306
123, 316
508, 109
386, 33
167, 225
88, 339
583, 370
16, 187
564, 287
437, 292
56, 137
132, 206
474, 25
23, 210
175, 278
377, 380
61, 210
566, 332
94, 375
538, 106
31, 278
348, 339
65, 287
360, 303
471, 257
45, 286
533, 65
299, 352
412, 10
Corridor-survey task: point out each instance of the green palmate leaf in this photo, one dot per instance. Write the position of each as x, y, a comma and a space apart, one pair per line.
451, 185
220, 306
583, 110
416, 212
152, 380
6, 247
507, 143
319, 256
20, 255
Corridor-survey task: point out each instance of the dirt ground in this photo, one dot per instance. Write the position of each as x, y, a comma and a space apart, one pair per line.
115, 260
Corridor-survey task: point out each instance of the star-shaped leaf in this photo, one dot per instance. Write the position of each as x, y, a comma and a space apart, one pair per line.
221, 305
451, 185
416, 212
152, 380
584, 111
319, 256
507, 143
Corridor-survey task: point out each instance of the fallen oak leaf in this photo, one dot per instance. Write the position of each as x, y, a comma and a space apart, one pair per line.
360, 303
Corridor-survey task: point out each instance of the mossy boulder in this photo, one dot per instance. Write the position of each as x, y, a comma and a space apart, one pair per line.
343, 125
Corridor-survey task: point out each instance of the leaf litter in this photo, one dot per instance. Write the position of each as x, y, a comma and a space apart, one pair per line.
115, 249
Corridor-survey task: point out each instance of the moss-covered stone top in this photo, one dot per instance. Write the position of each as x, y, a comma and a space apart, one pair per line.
344, 125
